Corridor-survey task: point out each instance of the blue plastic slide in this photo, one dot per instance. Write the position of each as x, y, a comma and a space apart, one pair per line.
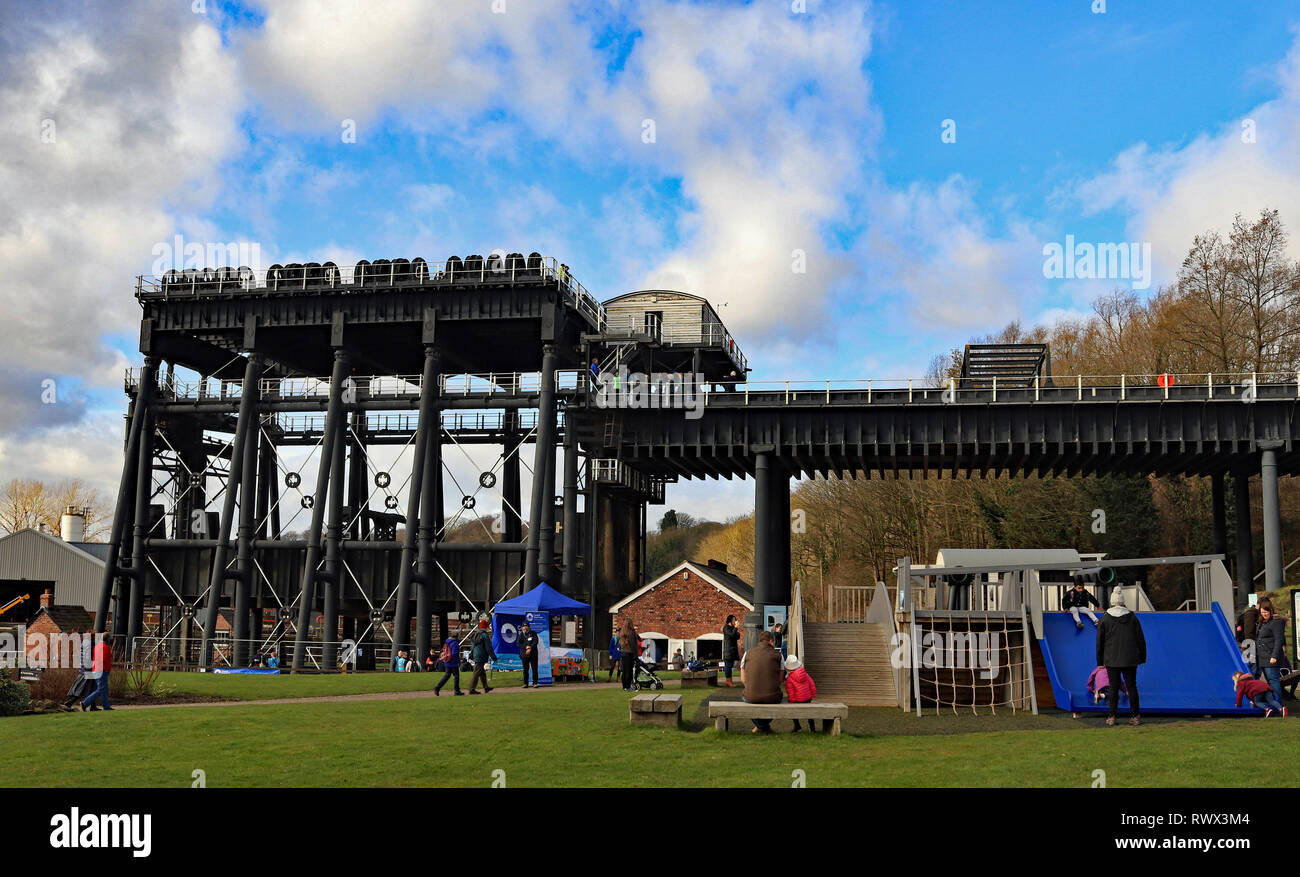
1191, 657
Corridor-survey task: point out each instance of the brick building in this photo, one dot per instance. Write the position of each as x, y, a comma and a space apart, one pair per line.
58, 632
685, 608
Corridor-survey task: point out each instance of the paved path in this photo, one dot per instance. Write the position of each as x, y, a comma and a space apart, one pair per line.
377, 695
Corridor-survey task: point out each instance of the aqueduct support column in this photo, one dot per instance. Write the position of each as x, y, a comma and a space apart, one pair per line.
1245, 550
1272, 516
333, 416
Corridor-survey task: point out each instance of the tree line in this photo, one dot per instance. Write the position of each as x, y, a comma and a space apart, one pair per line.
1234, 307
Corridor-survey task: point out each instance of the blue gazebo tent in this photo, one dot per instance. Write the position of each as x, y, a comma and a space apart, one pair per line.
542, 598
537, 605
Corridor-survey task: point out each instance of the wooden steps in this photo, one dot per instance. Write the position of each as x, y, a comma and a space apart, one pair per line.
850, 663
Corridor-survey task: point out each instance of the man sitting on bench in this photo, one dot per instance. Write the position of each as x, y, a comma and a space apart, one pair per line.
760, 674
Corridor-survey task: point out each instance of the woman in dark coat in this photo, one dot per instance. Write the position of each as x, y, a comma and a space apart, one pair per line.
1270, 646
1121, 647
629, 647
730, 647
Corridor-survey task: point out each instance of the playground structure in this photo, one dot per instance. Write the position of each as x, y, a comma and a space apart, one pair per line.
432, 359
989, 632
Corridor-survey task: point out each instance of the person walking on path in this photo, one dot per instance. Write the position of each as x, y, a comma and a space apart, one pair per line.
101, 666
1121, 648
1077, 600
85, 682
1270, 646
760, 673
730, 647
528, 647
480, 652
450, 658
629, 649
615, 659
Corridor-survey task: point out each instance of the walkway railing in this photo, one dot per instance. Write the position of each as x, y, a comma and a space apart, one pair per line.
367, 386
703, 335
1227, 387
1235, 386
849, 603
406, 422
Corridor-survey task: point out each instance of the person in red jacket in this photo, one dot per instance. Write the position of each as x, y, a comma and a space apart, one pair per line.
102, 663
800, 688
1259, 692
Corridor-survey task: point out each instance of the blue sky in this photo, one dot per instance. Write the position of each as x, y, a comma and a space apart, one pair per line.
775, 131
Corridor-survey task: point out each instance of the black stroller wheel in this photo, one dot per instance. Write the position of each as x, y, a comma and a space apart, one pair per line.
658, 685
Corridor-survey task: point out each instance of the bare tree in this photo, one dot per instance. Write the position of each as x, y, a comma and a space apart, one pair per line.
1265, 285
30, 502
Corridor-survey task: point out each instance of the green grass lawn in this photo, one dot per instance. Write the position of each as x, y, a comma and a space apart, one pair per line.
238, 687
571, 737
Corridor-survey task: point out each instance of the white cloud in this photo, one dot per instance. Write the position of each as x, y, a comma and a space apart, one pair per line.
1172, 193
933, 243
142, 103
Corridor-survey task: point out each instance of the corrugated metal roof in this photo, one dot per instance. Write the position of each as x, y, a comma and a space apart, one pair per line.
97, 549
995, 556
77, 573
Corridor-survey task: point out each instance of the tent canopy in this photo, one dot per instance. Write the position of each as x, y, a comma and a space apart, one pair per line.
542, 598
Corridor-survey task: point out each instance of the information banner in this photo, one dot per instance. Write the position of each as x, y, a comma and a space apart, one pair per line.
541, 625
505, 641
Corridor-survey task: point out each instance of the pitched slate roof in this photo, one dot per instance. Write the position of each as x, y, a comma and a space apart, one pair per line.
68, 618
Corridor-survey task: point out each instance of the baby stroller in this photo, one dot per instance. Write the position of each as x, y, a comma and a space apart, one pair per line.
644, 677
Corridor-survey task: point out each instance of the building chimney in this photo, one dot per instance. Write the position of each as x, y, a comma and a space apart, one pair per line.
47, 599
72, 526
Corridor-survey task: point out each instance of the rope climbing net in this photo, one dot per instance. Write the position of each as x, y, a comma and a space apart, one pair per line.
972, 660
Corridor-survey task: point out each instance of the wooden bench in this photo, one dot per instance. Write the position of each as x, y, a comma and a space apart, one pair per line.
699, 678
655, 709
721, 711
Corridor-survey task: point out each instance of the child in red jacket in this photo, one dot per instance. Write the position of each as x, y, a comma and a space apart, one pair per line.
1259, 692
800, 688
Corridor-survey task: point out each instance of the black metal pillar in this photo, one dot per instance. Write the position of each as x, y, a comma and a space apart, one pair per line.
1218, 514
542, 494
781, 532
332, 578
266, 475
124, 507
247, 527
546, 544
429, 421
307, 592
1273, 577
140, 532
1245, 552
766, 557
244, 425
631, 518
512, 527
570, 534
426, 536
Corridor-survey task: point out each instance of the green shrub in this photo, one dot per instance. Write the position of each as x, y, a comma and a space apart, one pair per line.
14, 695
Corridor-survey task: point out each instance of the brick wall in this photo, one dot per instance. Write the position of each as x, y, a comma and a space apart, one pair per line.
49, 633
681, 608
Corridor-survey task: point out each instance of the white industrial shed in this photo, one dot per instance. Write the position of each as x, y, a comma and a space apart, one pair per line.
32, 561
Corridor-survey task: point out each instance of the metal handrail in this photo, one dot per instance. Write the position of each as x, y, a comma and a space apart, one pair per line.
1107, 388
707, 334
372, 386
